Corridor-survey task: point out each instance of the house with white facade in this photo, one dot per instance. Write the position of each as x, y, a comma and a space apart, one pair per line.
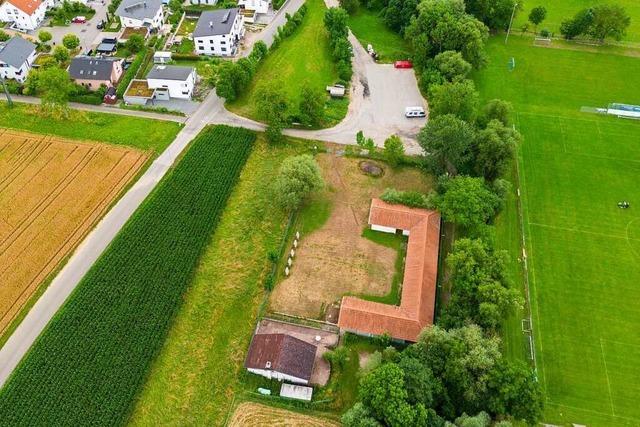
178, 81
16, 57
25, 15
259, 6
218, 32
281, 357
141, 13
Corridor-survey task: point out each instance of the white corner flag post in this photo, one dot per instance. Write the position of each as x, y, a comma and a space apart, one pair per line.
513, 14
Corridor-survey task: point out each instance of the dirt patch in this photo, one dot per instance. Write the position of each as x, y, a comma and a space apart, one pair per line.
249, 414
370, 168
52, 192
336, 260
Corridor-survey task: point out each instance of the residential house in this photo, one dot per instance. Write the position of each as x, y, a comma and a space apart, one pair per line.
259, 6
204, 2
416, 310
281, 357
141, 13
178, 81
93, 72
16, 57
25, 15
218, 32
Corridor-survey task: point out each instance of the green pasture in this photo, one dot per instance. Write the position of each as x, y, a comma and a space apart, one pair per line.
368, 27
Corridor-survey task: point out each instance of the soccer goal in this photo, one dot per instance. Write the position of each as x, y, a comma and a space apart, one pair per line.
542, 41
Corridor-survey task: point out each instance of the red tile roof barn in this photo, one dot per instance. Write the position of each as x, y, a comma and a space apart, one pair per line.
417, 304
281, 353
27, 6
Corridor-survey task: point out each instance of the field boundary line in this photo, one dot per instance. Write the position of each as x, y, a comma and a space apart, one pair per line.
606, 373
529, 288
562, 405
575, 230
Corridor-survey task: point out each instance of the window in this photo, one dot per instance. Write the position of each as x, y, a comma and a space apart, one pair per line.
210, 41
224, 49
200, 47
200, 41
185, 93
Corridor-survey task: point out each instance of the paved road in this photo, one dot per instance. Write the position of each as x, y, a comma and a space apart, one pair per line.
87, 33
96, 242
267, 33
104, 109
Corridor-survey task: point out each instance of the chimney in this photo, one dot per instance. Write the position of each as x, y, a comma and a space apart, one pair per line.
267, 365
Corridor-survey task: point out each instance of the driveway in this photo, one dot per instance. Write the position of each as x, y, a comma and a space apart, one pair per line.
88, 33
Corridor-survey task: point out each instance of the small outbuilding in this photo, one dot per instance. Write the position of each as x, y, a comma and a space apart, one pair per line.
161, 57
299, 392
281, 357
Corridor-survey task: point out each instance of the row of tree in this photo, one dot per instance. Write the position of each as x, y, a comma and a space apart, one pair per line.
597, 22
336, 23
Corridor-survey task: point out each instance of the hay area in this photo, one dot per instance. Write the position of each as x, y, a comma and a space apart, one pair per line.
249, 414
335, 259
52, 192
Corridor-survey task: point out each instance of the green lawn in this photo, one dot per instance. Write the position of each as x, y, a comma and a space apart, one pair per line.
146, 134
304, 57
560, 10
369, 28
583, 251
198, 371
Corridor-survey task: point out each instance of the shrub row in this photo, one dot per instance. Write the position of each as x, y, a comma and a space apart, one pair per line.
335, 21
130, 73
88, 365
234, 77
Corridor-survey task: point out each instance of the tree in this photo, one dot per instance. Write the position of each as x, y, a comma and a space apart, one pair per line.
452, 66
336, 22
384, 394
460, 360
259, 51
514, 391
481, 420
458, 98
61, 54
419, 381
467, 201
351, 6
312, 105
447, 142
443, 25
4, 36
496, 14
398, 13
175, 6
393, 152
359, 416
298, 178
273, 106
365, 143
135, 43
71, 41
494, 149
54, 86
609, 21
496, 109
537, 15
44, 36
481, 292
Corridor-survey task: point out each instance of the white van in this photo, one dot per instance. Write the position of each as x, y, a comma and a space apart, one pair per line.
414, 112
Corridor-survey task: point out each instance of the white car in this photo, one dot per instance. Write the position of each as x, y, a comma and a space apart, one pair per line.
414, 112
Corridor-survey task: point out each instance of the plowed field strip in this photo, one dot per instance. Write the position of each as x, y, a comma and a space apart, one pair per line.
249, 414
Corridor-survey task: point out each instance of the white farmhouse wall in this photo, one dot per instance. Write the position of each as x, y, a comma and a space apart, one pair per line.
384, 229
21, 20
267, 373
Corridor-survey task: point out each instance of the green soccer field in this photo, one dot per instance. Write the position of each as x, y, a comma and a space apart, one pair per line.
583, 251
560, 10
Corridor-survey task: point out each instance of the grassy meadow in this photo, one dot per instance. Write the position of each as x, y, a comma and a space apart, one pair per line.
583, 251
302, 58
560, 10
368, 27
138, 132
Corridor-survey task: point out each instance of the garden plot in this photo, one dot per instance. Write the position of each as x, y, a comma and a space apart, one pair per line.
52, 191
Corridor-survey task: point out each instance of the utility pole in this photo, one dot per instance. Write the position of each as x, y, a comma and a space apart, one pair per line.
6, 91
513, 14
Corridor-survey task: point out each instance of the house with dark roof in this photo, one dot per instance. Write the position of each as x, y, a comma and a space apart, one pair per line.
141, 13
16, 57
218, 32
25, 15
281, 357
178, 81
93, 72
416, 310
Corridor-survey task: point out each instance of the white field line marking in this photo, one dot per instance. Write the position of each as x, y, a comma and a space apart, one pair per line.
564, 138
575, 230
606, 372
634, 420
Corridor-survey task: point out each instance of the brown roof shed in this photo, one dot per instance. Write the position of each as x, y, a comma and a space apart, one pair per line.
281, 353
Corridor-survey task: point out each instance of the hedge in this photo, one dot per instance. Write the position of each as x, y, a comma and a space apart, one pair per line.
130, 74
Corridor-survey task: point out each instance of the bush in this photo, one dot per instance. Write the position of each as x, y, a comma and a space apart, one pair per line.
93, 99
130, 74
412, 199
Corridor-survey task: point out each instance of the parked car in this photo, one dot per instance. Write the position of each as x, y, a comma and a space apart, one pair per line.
79, 20
100, 25
403, 64
110, 96
411, 112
